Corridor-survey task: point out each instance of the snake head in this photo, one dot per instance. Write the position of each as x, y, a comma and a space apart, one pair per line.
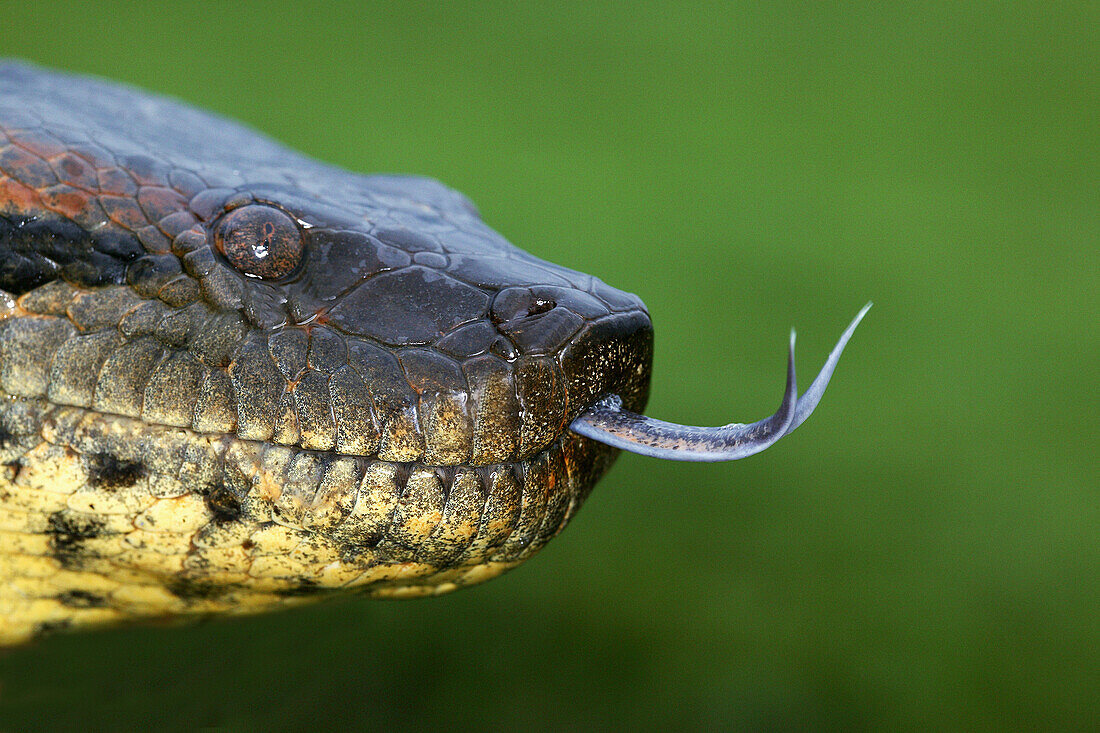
247, 376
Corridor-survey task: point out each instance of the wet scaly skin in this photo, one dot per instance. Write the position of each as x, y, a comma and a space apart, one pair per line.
376, 399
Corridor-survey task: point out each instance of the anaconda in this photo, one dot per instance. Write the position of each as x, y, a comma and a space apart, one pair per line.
236, 378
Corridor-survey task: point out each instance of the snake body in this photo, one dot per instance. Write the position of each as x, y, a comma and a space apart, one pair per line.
382, 407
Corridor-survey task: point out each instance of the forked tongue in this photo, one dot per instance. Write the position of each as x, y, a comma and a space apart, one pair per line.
609, 423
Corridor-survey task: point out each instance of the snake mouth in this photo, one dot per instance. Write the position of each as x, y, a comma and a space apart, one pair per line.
609, 422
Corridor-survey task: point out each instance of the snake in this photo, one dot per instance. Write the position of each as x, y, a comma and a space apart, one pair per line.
235, 378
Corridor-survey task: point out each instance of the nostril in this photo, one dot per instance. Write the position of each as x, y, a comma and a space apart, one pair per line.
513, 303
532, 321
541, 305
508, 303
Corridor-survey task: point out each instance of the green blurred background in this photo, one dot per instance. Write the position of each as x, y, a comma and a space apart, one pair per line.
924, 552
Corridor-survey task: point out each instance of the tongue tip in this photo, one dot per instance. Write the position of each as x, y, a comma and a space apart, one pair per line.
812, 396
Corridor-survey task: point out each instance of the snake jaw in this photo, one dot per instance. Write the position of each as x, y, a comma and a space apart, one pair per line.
607, 421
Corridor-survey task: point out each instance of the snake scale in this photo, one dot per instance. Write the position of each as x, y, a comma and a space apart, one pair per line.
235, 378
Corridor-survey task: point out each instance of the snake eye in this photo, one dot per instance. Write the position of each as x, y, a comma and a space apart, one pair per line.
260, 241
